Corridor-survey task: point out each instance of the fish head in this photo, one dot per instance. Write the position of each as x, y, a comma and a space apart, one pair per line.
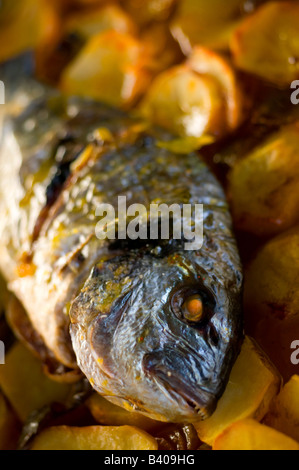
158, 335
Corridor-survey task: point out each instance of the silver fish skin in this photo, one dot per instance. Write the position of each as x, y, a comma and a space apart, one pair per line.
114, 308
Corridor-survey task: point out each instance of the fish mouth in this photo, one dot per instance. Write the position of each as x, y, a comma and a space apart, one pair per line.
199, 402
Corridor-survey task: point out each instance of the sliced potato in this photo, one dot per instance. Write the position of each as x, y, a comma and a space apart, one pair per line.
106, 413
251, 435
206, 23
112, 68
185, 103
29, 23
94, 438
253, 384
271, 299
9, 426
267, 43
284, 414
25, 385
264, 185
91, 22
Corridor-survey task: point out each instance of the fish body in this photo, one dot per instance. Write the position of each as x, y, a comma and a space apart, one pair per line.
114, 309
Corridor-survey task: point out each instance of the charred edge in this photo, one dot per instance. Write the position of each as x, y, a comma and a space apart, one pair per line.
70, 150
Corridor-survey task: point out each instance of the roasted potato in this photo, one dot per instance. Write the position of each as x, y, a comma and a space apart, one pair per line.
79, 26
253, 384
184, 103
264, 185
207, 23
266, 44
251, 435
112, 67
200, 97
272, 301
26, 386
94, 438
106, 413
284, 413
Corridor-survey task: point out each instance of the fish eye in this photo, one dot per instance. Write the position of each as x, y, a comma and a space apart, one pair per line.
193, 306
193, 309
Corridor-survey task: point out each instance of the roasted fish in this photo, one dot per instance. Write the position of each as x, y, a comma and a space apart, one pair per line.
154, 327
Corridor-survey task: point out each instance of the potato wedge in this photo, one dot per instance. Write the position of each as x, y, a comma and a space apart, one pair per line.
107, 414
284, 414
251, 435
271, 299
253, 384
262, 182
9, 426
110, 68
94, 438
25, 385
267, 43
207, 23
185, 103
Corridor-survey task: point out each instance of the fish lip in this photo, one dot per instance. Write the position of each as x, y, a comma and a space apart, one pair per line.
200, 402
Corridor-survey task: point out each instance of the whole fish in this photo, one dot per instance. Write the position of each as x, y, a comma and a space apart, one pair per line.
154, 327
